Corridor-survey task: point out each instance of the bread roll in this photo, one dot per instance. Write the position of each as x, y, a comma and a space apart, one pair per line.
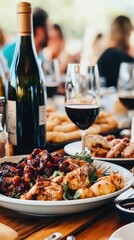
94, 129
66, 127
51, 124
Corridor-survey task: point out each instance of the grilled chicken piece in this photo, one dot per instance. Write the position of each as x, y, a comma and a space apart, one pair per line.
99, 152
93, 141
58, 179
102, 187
110, 138
116, 150
71, 164
85, 193
99, 173
44, 190
115, 141
115, 178
128, 151
78, 178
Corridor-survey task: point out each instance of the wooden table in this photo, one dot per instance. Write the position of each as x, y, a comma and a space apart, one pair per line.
97, 224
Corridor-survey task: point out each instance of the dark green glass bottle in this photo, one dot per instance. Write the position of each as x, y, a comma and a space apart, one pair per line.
26, 92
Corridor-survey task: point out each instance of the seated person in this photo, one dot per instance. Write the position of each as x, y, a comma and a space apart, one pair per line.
119, 51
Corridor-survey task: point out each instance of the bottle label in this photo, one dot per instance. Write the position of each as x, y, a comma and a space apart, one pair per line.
11, 121
42, 115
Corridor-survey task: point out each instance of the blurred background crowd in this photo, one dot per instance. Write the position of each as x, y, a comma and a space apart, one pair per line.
73, 31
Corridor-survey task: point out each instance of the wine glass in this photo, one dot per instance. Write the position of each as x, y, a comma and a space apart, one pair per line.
82, 103
126, 87
52, 76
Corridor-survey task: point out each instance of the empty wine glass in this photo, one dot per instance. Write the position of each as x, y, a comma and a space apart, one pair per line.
82, 103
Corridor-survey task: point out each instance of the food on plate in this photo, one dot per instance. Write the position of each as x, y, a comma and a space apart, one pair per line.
102, 187
79, 177
116, 150
48, 176
98, 145
85, 193
60, 128
94, 141
128, 151
44, 190
109, 146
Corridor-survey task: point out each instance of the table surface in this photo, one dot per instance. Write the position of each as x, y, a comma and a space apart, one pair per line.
97, 224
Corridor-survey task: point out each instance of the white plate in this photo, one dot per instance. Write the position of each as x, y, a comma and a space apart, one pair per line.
74, 147
50, 208
124, 233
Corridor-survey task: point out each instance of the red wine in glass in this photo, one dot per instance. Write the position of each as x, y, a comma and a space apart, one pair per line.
127, 101
82, 96
82, 115
51, 89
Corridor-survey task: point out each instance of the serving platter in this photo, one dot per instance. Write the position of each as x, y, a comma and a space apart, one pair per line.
62, 207
74, 147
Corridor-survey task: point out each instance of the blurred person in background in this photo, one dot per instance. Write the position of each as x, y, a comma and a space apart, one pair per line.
94, 44
55, 42
98, 47
118, 51
40, 25
4, 71
40, 30
2, 38
56, 48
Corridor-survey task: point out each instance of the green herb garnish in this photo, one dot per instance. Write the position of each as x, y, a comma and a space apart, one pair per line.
67, 195
15, 195
76, 195
93, 176
56, 174
84, 156
105, 172
44, 176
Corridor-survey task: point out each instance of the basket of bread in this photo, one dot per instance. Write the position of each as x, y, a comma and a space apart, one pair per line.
60, 128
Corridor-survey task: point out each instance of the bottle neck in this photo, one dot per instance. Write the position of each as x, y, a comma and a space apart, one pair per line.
24, 24
25, 39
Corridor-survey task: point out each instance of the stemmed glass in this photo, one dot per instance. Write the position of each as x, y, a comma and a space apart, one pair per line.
52, 76
82, 103
126, 86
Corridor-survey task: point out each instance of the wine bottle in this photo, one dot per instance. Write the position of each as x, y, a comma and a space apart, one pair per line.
26, 91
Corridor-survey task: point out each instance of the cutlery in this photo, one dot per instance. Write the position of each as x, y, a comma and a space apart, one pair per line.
70, 238
54, 236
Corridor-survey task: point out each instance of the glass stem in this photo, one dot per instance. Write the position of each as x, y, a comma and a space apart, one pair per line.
83, 133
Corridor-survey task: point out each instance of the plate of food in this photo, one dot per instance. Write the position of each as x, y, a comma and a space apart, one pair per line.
46, 184
106, 148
